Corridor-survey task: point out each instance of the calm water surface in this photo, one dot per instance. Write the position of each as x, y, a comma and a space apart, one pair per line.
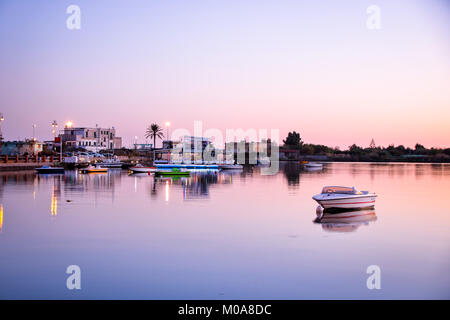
235, 235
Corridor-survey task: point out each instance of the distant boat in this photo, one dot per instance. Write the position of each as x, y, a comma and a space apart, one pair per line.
313, 165
336, 197
171, 173
231, 166
186, 166
91, 169
109, 163
263, 161
139, 168
48, 169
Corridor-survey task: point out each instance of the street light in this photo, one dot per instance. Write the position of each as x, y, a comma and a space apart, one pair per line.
167, 126
54, 125
34, 132
69, 124
1, 120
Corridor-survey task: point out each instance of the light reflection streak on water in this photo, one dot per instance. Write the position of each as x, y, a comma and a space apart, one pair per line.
167, 191
54, 205
1, 217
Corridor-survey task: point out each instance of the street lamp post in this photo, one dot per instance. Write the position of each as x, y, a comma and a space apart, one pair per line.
1, 121
168, 141
167, 126
54, 125
34, 132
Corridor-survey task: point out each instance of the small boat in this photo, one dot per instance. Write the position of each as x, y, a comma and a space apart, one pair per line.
139, 168
336, 197
110, 163
92, 169
186, 166
313, 165
48, 169
230, 165
172, 173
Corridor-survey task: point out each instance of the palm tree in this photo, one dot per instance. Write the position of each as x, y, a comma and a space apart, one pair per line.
154, 131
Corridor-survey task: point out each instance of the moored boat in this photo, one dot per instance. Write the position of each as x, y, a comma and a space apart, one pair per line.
91, 169
231, 166
186, 166
313, 165
337, 197
110, 163
48, 169
139, 168
172, 172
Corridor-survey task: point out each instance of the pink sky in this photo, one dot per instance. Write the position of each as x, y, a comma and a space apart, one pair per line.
312, 68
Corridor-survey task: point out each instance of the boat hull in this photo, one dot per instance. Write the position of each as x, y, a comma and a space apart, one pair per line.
97, 170
142, 170
110, 165
49, 170
231, 166
187, 166
360, 202
172, 174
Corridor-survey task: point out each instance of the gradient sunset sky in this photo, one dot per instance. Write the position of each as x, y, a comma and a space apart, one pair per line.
309, 66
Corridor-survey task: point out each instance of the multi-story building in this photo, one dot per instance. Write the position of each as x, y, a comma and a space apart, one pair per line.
91, 139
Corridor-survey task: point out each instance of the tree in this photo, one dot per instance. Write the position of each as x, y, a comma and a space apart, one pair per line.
418, 147
293, 140
154, 131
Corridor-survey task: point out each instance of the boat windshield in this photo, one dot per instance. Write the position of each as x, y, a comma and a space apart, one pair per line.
333, 189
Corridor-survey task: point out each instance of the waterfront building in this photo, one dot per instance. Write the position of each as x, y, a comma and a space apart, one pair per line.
91, 139
189, 149
29, 147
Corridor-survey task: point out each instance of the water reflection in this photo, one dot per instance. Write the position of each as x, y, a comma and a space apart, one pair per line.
195, 187
291, 171
1, 217
346, 221
54, 205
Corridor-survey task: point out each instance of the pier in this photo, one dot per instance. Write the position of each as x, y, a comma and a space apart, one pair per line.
18, 163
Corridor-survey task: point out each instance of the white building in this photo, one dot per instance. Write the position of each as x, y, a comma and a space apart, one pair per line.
91, 139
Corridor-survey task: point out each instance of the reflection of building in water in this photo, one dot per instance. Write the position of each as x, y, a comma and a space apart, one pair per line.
195, 187
198, 186
346, 221
1, 217
75, 181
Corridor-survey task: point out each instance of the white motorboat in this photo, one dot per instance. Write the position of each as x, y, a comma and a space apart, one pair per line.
336, 197
110, 163
313, 165
139, 168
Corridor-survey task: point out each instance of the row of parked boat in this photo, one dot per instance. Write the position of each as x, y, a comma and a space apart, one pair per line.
158, 169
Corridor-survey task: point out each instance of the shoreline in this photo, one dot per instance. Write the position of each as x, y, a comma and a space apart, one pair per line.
18, 167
